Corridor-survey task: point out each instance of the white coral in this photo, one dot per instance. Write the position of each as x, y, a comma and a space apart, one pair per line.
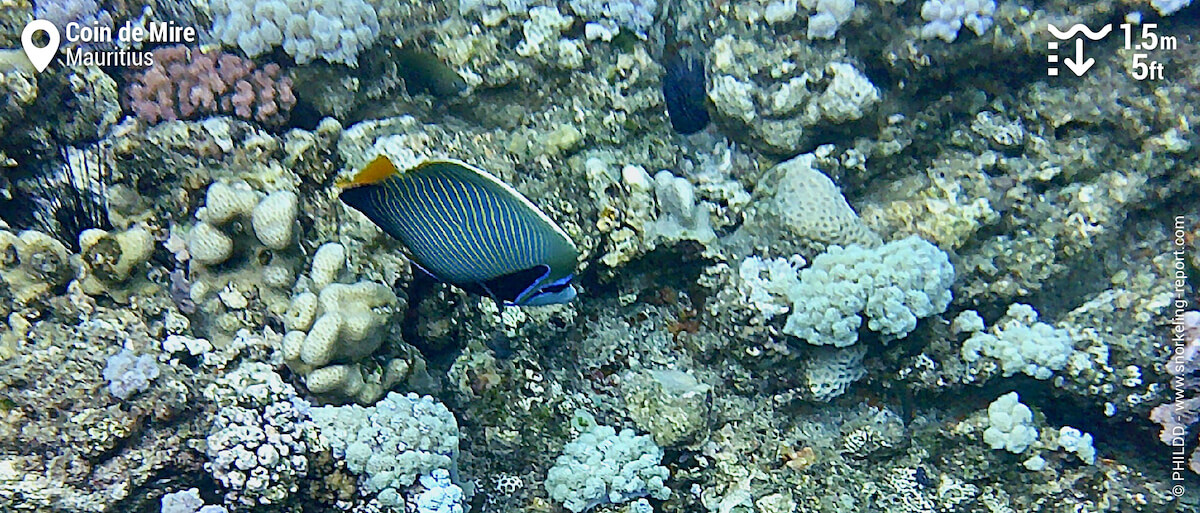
829, 15
1022, 344
334, 30
892, 286
1010, 425
273, 218
335, 327
945, 17
849, 95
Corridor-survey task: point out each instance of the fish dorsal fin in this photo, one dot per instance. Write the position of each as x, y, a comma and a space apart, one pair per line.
377, 171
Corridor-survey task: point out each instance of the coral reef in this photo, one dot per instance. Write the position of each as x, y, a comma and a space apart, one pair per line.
92, 462
832, 370
240, 223
670, 404
790, 115
187, 501
612, 15
807, 212
899, 268
187, 83
391, 444
259, 454
891, 286
602, 466
305, 29
34, 265
829, 15
1020, 343
1009, 425
335, 328
440, 494
84, 13
128, 375
110, 259
946, 18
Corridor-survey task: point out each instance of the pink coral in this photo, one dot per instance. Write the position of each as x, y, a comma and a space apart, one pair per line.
1175, 417
185, 83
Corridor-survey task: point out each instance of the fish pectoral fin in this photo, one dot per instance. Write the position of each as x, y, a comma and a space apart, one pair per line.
509, 287
500, 303
422, 268
488, 292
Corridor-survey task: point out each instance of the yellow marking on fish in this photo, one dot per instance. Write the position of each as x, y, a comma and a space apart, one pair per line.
377, 171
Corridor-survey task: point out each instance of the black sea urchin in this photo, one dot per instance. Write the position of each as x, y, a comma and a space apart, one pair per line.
63, 202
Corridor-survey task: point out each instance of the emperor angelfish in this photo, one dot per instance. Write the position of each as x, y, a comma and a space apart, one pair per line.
465, 227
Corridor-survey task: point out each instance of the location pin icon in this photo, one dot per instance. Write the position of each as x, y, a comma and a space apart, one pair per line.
40, 57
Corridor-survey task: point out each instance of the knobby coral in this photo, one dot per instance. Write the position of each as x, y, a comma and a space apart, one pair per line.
184, 83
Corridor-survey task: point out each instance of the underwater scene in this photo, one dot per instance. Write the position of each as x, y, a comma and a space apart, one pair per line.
606, 256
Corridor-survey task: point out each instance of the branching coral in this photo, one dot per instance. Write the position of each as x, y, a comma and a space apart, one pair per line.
391, 444
306, 29
184, 83
891, 286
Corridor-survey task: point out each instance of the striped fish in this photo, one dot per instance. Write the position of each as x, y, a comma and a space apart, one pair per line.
465, 227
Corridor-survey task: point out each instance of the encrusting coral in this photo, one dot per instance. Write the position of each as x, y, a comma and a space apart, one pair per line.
32, 264
109, 259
